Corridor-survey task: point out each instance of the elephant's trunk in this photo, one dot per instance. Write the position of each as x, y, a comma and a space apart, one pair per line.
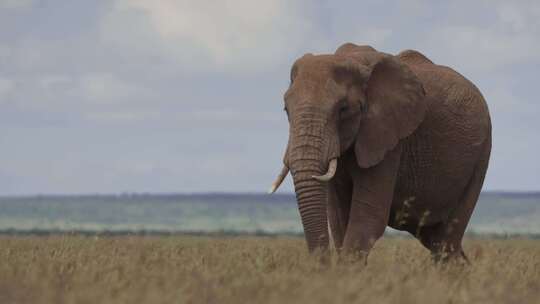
312, 150
311, 197
308, 156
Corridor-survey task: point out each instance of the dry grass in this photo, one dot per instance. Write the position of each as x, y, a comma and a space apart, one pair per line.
74, 269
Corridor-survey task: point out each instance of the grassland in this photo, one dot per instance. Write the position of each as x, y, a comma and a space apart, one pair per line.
179, 269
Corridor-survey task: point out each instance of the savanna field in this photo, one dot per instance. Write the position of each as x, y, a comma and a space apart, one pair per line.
185, 269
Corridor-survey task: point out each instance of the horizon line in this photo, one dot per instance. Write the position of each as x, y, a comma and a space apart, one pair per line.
203, 193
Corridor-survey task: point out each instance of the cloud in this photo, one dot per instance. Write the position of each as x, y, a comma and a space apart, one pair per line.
122, 117
107, 88
483, 50
230, 116
520, 16
189, 86
375, 35
16, 4
512, 37
5, 53
6, 86
235, 35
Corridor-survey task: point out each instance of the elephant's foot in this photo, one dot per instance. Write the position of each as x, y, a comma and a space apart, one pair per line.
443, 247
324, 258
321, 256
450, 256
357, 257
444, 257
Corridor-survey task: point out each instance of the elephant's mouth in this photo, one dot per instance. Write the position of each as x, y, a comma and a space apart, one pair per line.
332, 167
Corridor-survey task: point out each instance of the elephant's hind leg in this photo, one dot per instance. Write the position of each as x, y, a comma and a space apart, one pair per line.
444, 239
443, 243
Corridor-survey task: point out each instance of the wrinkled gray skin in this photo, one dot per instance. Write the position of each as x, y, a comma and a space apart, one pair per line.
412, 141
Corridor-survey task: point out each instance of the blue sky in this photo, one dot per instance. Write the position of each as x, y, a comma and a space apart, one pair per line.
186, 96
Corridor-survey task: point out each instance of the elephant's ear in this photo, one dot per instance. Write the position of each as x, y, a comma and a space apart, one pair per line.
395, 107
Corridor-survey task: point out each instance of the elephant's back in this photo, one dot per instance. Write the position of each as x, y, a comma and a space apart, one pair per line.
452, 99
457, 113
439, 158
449, 94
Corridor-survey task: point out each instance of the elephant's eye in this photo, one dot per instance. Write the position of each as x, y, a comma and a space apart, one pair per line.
343, 108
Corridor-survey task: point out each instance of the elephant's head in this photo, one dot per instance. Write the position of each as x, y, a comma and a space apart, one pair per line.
358, 99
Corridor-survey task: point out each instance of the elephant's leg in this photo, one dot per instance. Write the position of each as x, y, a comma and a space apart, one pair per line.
339, 204
443, 244
373, 190
444, 240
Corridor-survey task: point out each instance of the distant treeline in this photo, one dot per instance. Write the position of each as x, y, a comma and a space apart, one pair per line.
217, 195
225, 233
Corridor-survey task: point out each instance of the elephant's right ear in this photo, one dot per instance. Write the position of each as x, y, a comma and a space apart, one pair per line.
395, 107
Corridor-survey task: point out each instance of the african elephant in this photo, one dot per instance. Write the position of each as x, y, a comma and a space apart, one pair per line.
379, 140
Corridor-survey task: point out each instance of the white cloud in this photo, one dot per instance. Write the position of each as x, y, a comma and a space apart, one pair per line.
98, 98
235, 35
5, 53
53, 81
374, 35
483, 49
15, 4
122, 117
107, 88
6, 86
520, 16
231, 116
196, 86
513, 38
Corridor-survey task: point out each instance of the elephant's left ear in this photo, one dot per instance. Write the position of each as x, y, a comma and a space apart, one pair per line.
396, 106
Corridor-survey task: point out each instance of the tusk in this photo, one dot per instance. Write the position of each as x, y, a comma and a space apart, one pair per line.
279, 180
330, 173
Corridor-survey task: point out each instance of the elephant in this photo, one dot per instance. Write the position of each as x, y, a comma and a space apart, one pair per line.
379, 140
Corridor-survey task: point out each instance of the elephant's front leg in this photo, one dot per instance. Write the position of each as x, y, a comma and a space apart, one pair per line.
339, 204
373, 190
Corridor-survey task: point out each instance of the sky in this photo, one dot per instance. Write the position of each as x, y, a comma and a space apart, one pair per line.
187, 96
